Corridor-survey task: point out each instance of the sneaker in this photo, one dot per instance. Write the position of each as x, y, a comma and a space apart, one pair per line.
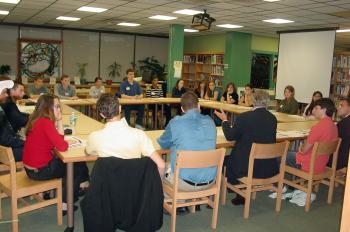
300, 198
137, 126
274, 195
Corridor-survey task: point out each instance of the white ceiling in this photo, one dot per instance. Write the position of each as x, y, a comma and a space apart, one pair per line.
307, 14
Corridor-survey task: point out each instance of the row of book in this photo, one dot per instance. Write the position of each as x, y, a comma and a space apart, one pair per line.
341, 61
217, 70
342, 90
205, 59
338, 76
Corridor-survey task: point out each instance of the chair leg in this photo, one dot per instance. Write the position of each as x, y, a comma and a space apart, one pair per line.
193, 207
14, 214
253, 195
331, 189
223, 191
308, 196
279, 196
317, 188
173, 217
248, 195
214, 219
59, 204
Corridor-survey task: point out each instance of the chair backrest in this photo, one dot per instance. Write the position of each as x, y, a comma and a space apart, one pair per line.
325, 148
268, 151
6, 158
199, 159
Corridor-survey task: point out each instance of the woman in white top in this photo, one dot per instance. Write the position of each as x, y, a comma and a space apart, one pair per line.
97, 89
317, 95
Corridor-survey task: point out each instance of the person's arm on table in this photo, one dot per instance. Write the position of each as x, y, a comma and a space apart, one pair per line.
231, 132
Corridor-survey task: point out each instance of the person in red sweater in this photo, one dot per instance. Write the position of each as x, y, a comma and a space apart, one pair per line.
44, 133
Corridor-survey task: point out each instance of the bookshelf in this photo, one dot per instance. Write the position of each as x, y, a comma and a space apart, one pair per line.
340, 76
203, 66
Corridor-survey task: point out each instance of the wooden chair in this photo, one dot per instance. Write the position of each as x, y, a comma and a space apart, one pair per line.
249, 186
313, 180
4, 167
194, 159
17, 186
340, 176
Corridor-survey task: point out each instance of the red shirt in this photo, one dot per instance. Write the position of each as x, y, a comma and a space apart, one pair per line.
40, 142
324, 131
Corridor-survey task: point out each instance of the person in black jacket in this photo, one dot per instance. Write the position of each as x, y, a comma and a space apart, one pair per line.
8, 137
124, 194
16, 118
344, 133
256, 126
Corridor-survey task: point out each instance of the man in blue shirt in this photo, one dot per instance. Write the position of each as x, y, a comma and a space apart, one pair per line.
130, 89
191, 131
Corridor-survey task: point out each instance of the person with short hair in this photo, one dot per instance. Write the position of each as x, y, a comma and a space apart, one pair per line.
37, 88
17, 118
324, 131
65, 90
247, 98
288, 105
8, 136
256, 126
97, 89
194, 132
343, 126
44, 134
130, 89
117, 138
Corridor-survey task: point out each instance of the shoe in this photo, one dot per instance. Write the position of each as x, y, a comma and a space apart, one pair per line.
137, 126
198, 207
239, 200
182, 211
300, 198
64, 212
274, 195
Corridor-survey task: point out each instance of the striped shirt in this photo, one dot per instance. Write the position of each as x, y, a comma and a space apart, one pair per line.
154, 93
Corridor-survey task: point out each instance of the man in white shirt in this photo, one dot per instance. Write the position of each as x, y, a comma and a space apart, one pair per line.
117, 138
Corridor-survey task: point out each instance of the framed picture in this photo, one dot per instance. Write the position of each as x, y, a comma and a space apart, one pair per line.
39, 58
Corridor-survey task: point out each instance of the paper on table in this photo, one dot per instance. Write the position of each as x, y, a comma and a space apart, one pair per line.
26, 109
75, 142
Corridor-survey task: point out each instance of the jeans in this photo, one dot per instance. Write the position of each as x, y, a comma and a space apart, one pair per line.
140, 111
57, 169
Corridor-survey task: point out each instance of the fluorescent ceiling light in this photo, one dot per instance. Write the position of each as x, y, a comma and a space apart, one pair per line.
129, 24
343, 30
271, 0
162, 17
67, 18
278, 21
92, 9
190, 30
229, 26
188, 12
4, 12
10, 1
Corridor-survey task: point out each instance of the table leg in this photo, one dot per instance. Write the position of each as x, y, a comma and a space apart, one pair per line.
155, 116
70, 198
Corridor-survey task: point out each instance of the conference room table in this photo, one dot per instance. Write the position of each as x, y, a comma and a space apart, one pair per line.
85, 125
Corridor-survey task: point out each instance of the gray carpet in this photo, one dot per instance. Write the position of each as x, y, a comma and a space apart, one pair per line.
322, 217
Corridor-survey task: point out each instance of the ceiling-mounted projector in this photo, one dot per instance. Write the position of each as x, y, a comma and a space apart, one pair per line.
202, 21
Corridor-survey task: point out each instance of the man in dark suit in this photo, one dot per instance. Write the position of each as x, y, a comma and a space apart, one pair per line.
256, 126
343, 125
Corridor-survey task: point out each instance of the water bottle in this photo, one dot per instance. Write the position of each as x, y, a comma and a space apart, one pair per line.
73, 121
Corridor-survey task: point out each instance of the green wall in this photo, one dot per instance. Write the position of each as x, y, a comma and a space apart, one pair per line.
205, 43
267, 44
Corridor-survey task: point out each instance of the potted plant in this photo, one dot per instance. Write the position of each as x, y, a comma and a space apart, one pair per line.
151, 66
5, 69
82, 72
113, 71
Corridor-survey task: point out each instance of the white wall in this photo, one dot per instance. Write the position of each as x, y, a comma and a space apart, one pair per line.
8, 47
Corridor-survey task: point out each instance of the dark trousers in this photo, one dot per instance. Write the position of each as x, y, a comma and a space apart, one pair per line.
167, 112
57, 169
140, 111
17, 153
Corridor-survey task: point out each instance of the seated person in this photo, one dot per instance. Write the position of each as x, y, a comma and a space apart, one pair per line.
230, 95
97, 89
156, 92
65, 90
191, 131
130, 89
247, 98
44, 134
256, 126
317, 95
288, 105
324, 131
202, 89
38, 88
16, 118
117, 138
343, 132
8, 136
213, 92
177, 92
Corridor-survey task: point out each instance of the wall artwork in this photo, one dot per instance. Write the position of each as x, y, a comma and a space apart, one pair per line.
39, 58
